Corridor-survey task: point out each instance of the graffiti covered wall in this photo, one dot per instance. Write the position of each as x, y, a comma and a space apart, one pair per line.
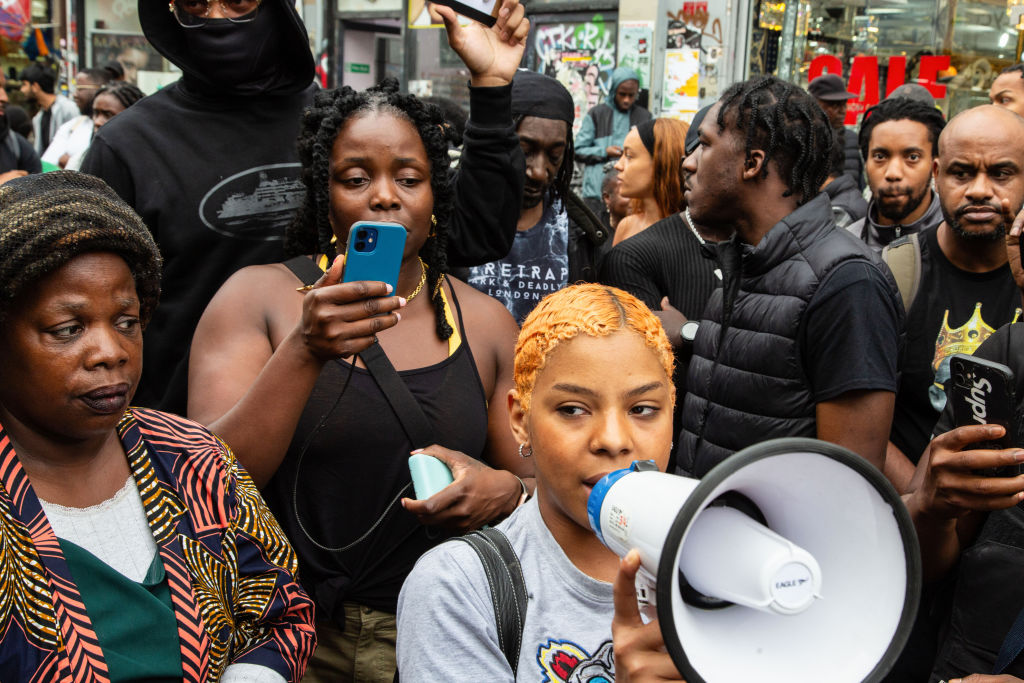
578, 50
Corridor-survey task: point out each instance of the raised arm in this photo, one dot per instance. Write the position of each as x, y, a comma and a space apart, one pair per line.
492, 169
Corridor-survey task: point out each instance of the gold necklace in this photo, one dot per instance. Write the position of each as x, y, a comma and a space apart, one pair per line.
423, 280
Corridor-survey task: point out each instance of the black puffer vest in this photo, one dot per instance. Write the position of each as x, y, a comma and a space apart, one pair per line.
751, 386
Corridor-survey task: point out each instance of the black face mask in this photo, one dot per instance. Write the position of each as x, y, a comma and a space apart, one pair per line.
238, 57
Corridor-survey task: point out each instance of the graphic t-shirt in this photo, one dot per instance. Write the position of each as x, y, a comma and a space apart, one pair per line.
446, 627
954, 312
537, 265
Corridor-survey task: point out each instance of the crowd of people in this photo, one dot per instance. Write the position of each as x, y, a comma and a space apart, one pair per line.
238, 488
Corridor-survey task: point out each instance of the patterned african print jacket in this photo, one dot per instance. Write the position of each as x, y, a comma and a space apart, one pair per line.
229, 568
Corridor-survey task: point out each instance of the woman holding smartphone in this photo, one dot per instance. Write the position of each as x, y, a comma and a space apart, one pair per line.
277, 374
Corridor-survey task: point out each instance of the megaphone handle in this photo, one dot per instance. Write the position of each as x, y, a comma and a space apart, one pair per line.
646, 595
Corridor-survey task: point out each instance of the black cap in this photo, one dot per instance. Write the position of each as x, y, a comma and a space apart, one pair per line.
829, 87
913, 91
693, 133
534, 94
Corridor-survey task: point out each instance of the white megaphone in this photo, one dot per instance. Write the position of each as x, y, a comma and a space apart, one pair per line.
793, 561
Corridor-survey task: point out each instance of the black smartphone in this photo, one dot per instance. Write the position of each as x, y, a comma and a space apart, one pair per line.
982, 392
484, 11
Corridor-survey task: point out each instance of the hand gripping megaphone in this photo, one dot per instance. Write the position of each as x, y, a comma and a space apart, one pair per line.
792, 561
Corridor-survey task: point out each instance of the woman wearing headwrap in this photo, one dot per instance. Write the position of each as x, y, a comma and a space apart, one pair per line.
117, 522
649, 169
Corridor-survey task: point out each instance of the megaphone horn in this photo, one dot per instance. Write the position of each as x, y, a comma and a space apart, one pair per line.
793, 560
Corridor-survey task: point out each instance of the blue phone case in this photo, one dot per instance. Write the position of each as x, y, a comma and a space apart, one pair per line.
429, 475
374, 252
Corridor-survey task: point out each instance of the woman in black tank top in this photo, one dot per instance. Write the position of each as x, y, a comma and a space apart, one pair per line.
280, 375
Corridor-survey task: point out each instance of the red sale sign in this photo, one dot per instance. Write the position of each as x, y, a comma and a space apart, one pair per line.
863, 79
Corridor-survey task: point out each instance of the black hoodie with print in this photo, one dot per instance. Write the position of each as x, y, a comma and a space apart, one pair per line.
210, 163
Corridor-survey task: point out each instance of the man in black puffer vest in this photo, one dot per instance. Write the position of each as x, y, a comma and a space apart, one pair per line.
804, 335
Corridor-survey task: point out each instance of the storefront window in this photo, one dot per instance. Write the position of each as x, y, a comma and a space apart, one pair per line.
953, 48
113, 33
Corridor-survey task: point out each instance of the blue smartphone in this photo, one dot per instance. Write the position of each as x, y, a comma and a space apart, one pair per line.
375, 252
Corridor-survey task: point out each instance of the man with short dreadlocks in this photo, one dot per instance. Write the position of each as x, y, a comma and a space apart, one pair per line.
558, 240
803, 337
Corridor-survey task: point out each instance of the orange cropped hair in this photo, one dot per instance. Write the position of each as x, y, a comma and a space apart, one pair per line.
593, 309
669, 149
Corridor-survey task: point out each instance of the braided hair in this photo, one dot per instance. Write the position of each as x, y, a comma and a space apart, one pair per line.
311, 231
560, 186
123, 91
787, 124
898, 109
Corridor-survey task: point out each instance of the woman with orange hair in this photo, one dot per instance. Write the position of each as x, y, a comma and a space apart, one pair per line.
649, 169
579, 413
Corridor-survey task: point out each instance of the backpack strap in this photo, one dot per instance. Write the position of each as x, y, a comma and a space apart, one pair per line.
508, 588
903, 256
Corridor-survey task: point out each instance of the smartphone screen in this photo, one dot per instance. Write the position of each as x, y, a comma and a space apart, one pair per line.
484, 11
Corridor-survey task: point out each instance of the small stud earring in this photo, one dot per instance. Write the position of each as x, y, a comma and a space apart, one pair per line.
527, 454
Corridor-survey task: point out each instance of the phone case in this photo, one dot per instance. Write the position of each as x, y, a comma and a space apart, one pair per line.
374, 252
982, 392
429, 475
483, 11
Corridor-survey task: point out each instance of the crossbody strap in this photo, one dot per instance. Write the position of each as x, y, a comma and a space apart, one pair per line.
414, 423
507, 585
903, 256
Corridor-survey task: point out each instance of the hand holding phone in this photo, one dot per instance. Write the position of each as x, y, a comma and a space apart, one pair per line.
483, 11
982, 392
491, 51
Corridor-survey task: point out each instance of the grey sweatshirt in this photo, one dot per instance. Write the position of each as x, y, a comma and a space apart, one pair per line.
446, 628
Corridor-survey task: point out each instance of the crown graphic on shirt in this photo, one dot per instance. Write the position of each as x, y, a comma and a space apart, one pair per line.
963, 339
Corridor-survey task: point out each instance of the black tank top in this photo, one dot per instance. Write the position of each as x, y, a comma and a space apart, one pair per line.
342, 488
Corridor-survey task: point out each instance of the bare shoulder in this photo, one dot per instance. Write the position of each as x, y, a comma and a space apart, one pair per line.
257, 293
627, 227
482, 314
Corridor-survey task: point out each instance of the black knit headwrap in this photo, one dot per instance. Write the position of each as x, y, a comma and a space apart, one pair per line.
48, 219
535, 94
646, 132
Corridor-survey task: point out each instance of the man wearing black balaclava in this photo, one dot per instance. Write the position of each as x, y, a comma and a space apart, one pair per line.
210, 164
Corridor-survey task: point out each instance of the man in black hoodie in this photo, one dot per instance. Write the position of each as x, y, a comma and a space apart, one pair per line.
210, 164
